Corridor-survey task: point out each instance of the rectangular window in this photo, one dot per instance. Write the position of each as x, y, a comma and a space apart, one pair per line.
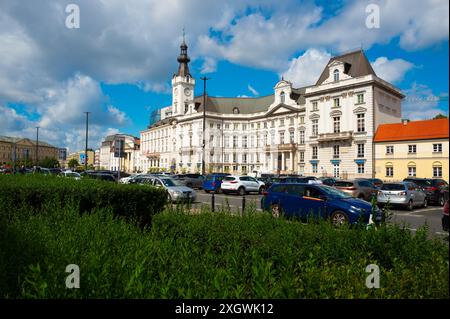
412, 171
361, 122
336, 102
244, 127
390, 149
336, 151
302, 156
336, 124
437, 148
252, 141
302, 120
265, 140
412, 149
437, 171
281, 137
235, 141
272, 123
360, 98
244, 141
291, 137
361, 150
314, 152
258, 126
314, 168
226, 158
281, 122
265, 124
244, 158
236, 126
389, 171
315, 106
361, 168
227, 141
227, 126
218, 126
315, 127
302, 137
291, 121
234, 157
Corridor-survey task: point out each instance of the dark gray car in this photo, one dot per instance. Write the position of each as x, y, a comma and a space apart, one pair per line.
190, 180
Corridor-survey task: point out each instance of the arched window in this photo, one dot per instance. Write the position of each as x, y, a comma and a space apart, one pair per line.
282, 97
437, 169
412, 171
235, 110
336, 75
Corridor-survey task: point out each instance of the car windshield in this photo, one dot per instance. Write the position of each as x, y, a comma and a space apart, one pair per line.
393, 187
333, 192
170, 182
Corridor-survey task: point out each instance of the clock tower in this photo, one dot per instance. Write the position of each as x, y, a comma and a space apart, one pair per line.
183, 85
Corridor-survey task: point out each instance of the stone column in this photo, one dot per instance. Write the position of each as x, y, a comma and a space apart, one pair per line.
283, 161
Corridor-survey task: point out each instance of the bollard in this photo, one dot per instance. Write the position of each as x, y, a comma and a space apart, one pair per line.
243, 204
212, 202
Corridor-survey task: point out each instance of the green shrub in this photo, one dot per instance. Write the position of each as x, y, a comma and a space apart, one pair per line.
211, 256
131, 201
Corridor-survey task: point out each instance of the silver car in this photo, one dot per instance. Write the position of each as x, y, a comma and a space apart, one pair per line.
404, 194
176, 192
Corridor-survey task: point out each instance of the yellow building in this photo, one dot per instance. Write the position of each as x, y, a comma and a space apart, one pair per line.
412, 149
23, 150
80, 155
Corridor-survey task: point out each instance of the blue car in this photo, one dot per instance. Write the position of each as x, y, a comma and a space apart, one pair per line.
213, 182
312, 200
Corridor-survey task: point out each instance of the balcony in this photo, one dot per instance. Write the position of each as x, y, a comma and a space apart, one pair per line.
329, 137
187, 149
287, 147
152, 155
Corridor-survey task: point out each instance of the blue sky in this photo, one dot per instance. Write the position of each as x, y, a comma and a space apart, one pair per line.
119, 63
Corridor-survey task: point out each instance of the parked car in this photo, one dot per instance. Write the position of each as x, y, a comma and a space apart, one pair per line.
330, 181
241, 185
405, 194
358, 188
176, 192
376, 181
213, 182
126, 180
70, 174
190, 180
434, 188
101, 176
445, 216
302, 200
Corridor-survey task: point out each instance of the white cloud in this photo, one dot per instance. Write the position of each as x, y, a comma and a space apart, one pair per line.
251, 89
421, 103
391, 70
209, 65
306, 69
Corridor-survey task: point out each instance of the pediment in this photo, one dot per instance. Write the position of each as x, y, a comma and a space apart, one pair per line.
360, 109
336, 113
282, 108
314, 116
335, 63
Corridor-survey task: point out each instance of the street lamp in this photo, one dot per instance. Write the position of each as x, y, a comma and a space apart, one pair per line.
86, 146
204, 79
37, 145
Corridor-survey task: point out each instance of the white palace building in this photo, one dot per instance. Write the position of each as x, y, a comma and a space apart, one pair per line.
325, 129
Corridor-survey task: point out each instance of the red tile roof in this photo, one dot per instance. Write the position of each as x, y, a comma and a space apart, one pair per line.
415, 130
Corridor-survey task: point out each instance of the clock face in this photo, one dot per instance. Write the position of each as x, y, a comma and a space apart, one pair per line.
187, 91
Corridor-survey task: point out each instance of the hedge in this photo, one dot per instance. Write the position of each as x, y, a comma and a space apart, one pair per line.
35, 191
212, 256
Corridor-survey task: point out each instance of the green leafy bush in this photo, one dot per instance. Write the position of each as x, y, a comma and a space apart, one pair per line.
34, 192
211, 256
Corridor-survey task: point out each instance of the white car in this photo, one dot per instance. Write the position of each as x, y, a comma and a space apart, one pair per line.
71, 174
126, 180
242, 185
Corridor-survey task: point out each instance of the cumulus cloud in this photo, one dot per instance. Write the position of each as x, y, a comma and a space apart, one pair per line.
421, 103
305, 69
391, 70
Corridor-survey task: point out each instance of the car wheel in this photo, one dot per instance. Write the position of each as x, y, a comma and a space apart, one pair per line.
275, 209
410, 205
261, 190
441, 201
339, 218
241, 191
425, 203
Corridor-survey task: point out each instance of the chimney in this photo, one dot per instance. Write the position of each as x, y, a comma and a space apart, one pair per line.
405, 121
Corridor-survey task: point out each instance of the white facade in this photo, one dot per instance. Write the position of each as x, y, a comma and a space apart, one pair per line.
130, 162
322, 130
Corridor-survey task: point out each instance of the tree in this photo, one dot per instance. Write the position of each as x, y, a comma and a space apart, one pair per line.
439, 116
73, 163
49, 162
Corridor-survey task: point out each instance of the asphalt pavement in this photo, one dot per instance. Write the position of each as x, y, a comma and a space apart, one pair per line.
430, 216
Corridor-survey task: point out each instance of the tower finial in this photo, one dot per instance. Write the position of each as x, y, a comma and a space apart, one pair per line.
183, 35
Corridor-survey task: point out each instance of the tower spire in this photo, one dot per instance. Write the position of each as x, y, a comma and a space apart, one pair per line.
183, 59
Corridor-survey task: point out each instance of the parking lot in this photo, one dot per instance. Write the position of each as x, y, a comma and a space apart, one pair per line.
412, 219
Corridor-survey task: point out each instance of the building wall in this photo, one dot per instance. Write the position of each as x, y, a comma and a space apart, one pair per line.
25, 149
423, 160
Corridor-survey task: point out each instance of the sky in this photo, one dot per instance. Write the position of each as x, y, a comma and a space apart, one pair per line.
119, 62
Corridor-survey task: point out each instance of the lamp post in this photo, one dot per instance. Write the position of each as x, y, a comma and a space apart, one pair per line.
204, 79
37, 145
86, 146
